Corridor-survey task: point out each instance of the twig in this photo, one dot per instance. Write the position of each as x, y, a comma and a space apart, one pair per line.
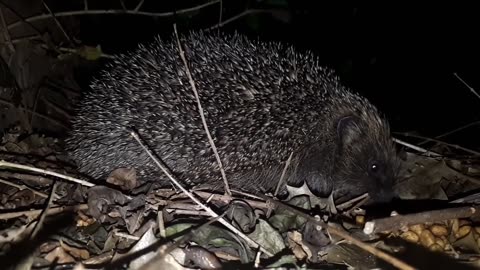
51, 211
169, 247
39, 91
351, 202
453, 131
6, 34
22, 187
161, 224
123, 5
190, 212
236, 17
58, 23
444, 143
22, 20
226, 199
85, 4
190, 195
127, 236
192, 84
417, 148
140, 3
280, 182
29, 178
111, 11
20, 39
399, 221
39, 224
7, 164
75, 51
468, 86
36, 114
343, 234
221, 12
55, 107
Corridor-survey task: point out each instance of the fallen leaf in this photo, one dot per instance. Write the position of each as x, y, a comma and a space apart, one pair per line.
59, 255
266, 236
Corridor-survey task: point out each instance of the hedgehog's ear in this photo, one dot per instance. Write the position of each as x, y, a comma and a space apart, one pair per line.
348, 129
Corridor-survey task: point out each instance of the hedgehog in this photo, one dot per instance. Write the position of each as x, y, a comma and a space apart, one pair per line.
262, 101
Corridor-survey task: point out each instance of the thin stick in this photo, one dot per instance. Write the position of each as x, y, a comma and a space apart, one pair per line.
6, 34
22, 187
110, 11
468, 86
51, 211
190, 212
236, 17
7, 164
456, 130
280, 182
226, 199
161, 224
209, 210
58, 23
417, 148
444, 143
39, 224
36, 114
342, 233
22, 20
351, 202
399, 221
221, 12
75, 51
140, 3
192, 84
127, 236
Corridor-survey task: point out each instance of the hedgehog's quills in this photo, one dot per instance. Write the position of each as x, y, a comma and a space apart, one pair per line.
261, 102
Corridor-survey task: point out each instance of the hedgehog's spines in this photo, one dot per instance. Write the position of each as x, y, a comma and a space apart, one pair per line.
262, 100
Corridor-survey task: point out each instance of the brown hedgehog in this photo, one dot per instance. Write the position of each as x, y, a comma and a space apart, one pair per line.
261, 100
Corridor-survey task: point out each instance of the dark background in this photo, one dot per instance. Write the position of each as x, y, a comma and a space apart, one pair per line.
403, 58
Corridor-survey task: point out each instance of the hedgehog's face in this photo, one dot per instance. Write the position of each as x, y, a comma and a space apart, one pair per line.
363, 162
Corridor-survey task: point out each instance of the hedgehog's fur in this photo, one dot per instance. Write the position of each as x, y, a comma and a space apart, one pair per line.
261, 100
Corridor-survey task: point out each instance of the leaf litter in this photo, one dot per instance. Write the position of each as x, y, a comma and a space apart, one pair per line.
114, 223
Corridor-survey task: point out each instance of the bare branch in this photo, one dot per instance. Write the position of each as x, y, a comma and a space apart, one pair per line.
137, 8
8, 39
110, 11
212, 144
58, 23
51, 211
193, 198
417, 148
39, 224
280, 182
7, 164
468, 86
23, 187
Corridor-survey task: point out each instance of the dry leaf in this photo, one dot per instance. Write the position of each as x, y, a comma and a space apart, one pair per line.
76, 252
59, 255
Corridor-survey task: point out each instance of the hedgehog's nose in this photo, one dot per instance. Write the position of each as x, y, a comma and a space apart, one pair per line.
383, 196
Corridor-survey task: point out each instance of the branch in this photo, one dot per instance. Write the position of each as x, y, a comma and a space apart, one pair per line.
193, 198
111, 11
7, 164
212, 144
399, 221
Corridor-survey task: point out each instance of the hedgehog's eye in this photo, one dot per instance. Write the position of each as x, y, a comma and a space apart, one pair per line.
374, 167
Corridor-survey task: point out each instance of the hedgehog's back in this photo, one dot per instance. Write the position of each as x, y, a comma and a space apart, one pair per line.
261, 101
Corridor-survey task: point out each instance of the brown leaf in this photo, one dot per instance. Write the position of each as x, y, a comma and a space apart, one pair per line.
75, 252
125, 178
59, 255
296, 245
